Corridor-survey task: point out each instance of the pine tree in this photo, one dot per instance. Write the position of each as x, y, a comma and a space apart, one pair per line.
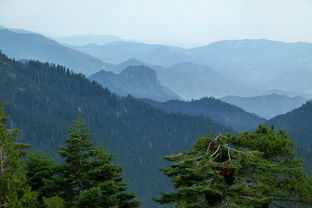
14, 192
88, 178
251, 170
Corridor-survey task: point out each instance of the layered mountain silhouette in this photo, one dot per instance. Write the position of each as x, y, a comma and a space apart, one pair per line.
262, 64
266, 106
20, 44
120, 51
191, 81
219, 111
139, 81
236, 67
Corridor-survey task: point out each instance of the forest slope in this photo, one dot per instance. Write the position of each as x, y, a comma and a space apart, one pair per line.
43, 100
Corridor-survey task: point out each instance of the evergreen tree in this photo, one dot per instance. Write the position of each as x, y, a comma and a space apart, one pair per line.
252, 170
14, 192
40, 172
88, 178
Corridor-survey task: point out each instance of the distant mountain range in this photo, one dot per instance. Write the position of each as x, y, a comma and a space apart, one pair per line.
234, 67
81, 40
120, 51
221, 112
191, 81
262, 64
194, 81
20, 44
139, 81
266, 106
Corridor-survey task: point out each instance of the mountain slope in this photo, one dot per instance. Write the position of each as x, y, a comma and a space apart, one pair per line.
138, 81
191, 80
43, 100
215, 109
297, 118
298, 124
263, 63
26, 45
266, 106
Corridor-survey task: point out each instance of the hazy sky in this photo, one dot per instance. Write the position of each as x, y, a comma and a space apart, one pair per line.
186, 22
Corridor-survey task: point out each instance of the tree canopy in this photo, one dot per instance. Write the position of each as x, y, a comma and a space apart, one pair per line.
87, 178
252, 170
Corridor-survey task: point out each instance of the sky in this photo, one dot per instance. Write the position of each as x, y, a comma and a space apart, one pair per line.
180, 22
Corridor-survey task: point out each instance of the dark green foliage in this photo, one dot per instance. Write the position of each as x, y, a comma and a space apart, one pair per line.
54, 202
87, 178
224, 113
252, 170
40, 171
14, 192
42, 99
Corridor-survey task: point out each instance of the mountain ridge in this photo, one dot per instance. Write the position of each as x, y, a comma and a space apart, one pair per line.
139, 81
215, 109
28, 45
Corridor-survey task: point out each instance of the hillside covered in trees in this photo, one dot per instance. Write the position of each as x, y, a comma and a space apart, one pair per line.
298, 124
43, 99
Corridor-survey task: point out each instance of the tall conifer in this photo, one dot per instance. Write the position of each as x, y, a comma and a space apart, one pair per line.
14, 192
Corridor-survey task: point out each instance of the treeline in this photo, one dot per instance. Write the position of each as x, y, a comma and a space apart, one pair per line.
254, 169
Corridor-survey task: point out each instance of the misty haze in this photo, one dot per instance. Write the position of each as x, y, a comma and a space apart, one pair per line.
144, 103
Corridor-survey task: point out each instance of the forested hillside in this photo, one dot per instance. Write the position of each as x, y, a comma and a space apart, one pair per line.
224, 113
43, 100
298, 124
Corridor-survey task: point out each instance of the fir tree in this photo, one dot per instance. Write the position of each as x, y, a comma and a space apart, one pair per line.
88, 178
252, 170
14, 192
